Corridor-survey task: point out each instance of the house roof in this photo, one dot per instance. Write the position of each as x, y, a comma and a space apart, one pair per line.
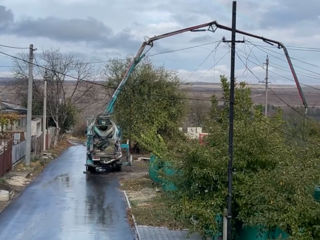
11, 107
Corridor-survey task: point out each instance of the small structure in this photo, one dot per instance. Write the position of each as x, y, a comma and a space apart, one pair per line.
20, 123
36, 127
194, 132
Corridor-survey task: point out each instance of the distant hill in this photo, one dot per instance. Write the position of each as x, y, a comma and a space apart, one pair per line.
279, 95
7, 81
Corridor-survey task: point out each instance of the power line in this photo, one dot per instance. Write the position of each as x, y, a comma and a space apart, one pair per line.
266, 50
300, 73
294, 48
247, 68
287, 78
286, 103
183, 49
281, 99
298, 67
90, 81
160, 53
282, 76
291, 107
212, 51
14, 47
41, 66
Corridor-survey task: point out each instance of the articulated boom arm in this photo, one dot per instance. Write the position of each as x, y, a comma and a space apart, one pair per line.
140, 55
212, 26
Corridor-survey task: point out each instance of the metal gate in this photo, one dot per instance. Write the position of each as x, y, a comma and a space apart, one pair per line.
18, 151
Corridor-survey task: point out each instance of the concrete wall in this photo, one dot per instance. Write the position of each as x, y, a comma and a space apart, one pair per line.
36, 127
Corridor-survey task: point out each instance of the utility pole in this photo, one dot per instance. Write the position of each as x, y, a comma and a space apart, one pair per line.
44, 124
267, 79
231, 115
29, 113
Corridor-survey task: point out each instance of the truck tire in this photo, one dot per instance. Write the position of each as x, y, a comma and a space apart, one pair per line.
90, 169
117, 167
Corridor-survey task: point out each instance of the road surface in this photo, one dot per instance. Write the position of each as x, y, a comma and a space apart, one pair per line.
63, 203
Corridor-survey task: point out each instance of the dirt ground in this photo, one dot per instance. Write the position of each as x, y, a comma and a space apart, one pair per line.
20, 176
150, 205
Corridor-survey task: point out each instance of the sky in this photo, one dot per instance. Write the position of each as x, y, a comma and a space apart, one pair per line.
99, 30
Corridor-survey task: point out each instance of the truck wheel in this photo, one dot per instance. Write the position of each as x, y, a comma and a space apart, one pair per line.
130, 160
117, 167
90, 169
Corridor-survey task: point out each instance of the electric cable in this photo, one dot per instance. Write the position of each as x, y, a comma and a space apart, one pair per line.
292, 47
266, 50
282, 76
281, 99
182, 49
13, 47
90, 81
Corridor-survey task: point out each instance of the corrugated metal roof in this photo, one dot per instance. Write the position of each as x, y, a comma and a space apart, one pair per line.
11, 107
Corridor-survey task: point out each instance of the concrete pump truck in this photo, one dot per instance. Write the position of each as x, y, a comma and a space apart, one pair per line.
103, 135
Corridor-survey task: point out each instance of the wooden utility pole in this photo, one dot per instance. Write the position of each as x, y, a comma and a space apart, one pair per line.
29, 112
267, 82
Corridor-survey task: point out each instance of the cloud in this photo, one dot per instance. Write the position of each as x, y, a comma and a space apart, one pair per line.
6, 17
290, 12
203, 75
60, 29
88, 30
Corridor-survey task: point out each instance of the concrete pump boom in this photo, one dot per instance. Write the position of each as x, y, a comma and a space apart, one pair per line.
212, 26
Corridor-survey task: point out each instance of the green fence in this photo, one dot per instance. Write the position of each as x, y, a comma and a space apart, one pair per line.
161, 171
317, 193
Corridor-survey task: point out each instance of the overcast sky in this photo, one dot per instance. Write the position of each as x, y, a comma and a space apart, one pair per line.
97, 30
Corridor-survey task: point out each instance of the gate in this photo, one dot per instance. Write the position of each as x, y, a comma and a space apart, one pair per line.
5, 157
18, 151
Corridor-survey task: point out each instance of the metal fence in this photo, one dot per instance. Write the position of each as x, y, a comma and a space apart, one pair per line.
18, 151
5, 157
11, 153
37, 141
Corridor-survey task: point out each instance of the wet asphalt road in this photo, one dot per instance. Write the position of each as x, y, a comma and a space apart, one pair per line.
63, 203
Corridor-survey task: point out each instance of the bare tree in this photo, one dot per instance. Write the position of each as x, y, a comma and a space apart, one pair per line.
198, 111
67, 89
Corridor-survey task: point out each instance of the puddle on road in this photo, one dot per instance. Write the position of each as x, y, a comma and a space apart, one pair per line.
64, 179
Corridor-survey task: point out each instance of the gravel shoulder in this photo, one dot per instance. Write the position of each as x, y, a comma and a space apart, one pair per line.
150, 204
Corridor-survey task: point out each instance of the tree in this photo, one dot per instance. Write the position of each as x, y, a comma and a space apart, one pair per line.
150, 103
64, 95
7, 119
197, 111
273, 180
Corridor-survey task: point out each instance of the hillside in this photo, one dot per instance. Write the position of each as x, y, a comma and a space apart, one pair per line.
279, 96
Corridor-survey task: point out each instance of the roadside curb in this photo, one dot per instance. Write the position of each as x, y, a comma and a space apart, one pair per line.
131, 215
